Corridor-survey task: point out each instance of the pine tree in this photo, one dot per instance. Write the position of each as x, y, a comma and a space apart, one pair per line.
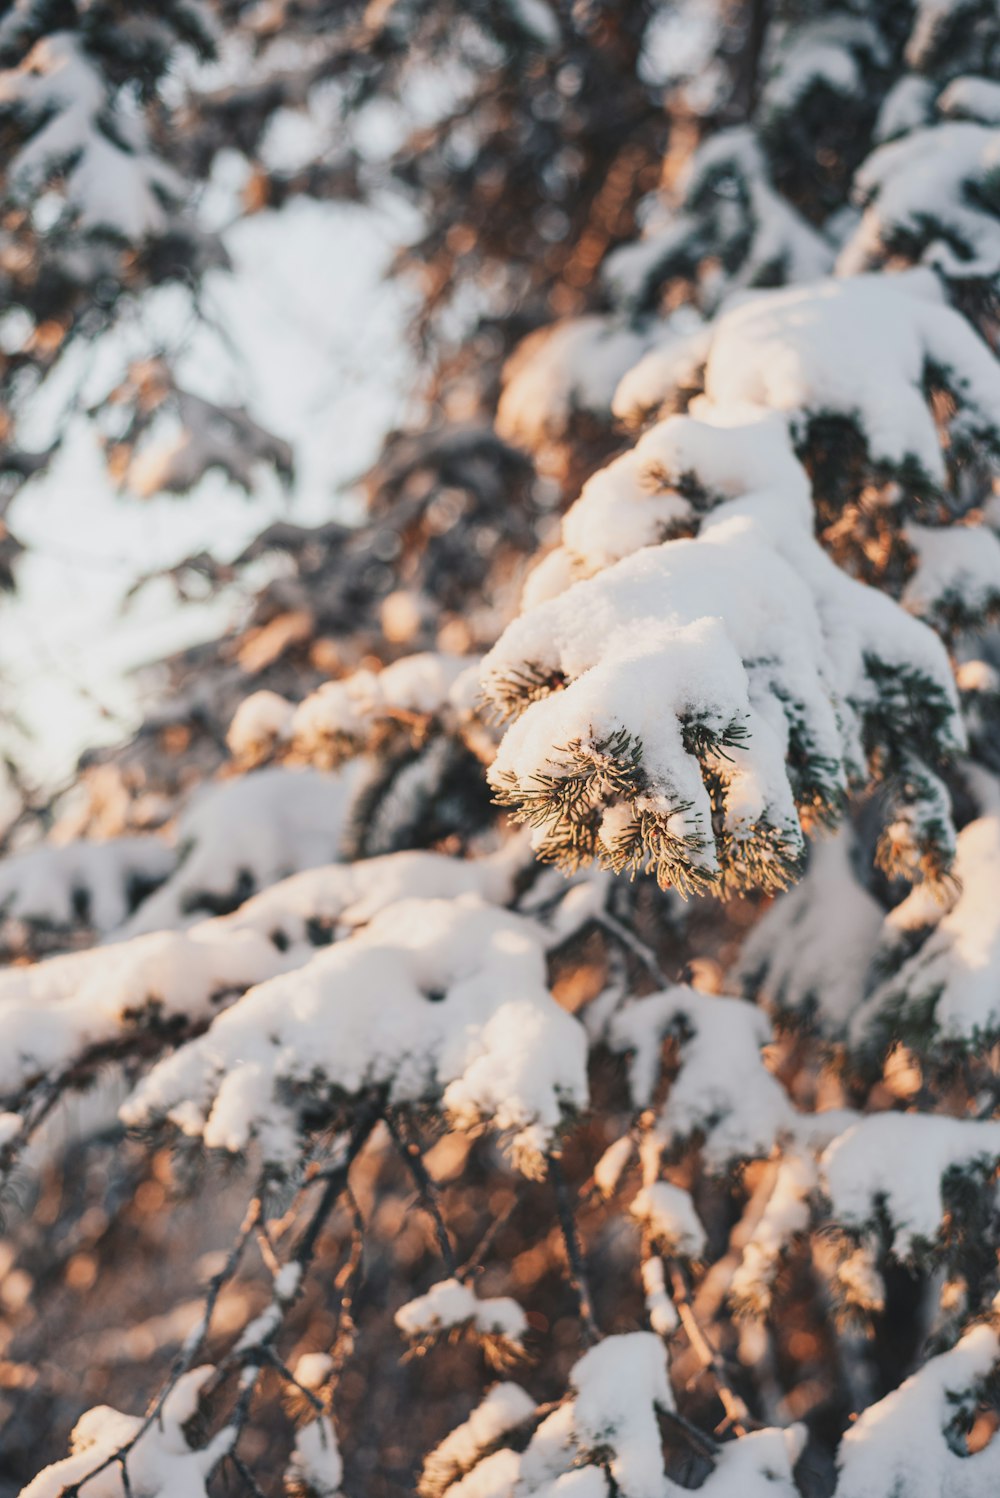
650, 1145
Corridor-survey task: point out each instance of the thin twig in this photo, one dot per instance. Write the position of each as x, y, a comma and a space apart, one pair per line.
185, 1358
736, 1411
409, 1150
256, 1490
633, 944
281, 1367
336, 1182
349, 1283
698, 1438
485, 1243
574, 1253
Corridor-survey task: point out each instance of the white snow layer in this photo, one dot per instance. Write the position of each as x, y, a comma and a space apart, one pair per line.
723, 1088
857, 347
927, 187
315, 1462
47, 884
669, 1215
109, 182
52, 1011
504, 1408
810, 952
897, 1161
451, 1303
258, 828
571, 366
442, 999
750, 624
340, 715
607, 1433
899, 1447
953, 973
160, 1465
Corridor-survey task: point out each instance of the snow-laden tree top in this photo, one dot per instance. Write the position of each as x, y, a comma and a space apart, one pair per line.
411, 1162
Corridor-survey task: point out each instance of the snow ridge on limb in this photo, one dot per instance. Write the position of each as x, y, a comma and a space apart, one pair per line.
770, 700
938, 961
912, 1443
96, 883
604, 1438
61, 104
161, 1463
861, 348
237, 836
727, 207
57, 1014
723, 1092
808, 956
345, 717
930, 197
437, 1001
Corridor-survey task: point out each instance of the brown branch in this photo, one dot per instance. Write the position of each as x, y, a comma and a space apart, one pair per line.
410, 1153
737, 1413
574, 1252
185, 1358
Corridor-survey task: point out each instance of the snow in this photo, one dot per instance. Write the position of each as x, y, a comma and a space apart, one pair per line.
660, 1309
315, 1461
956, 581
787, 1213
639, 499
44, 884
759, 1465
538, 20
900, 1446
160, 1465
749, 625
810, 952
908, 105
58, 93
451, 1303
668, 1214
857, 347
53, 1011
494, 1477
442, 999
827, 52
725, 199
98, 996
900, 1159
612, 1165
504, 1408
926, 188
559, 370
722, 1088
675, 362
262, 720
606, 1438
686, 614
340, 714
619, 1386
261, 826
346, 895
679, 40
953, 974
972, 99
312, 1369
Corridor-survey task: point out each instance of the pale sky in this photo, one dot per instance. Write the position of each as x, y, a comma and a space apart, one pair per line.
309, 338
